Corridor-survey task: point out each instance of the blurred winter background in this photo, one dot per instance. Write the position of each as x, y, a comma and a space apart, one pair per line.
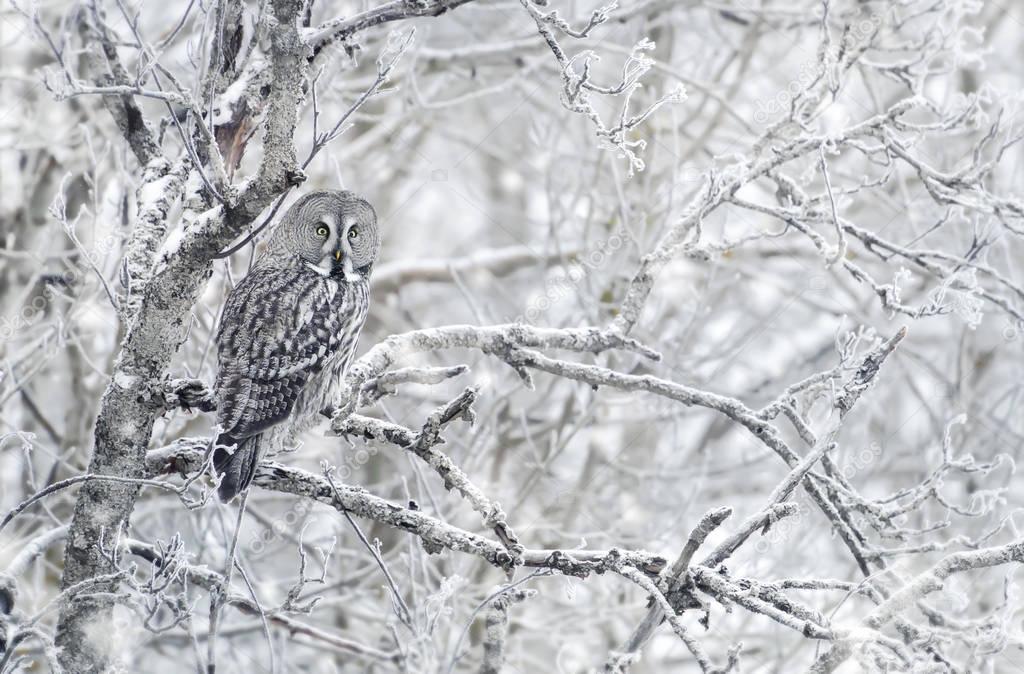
499, 204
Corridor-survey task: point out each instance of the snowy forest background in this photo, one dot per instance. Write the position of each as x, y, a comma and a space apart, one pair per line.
718, 309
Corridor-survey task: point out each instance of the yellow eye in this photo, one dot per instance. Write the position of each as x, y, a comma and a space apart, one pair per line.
353, 233
323, 231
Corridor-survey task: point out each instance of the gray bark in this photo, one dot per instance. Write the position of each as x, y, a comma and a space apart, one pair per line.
129, 406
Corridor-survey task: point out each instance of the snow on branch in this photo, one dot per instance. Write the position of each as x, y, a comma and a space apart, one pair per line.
760, 413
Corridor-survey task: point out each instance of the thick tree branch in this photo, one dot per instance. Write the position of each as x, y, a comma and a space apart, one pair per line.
128, 408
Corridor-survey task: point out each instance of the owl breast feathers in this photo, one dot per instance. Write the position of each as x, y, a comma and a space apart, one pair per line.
281, 327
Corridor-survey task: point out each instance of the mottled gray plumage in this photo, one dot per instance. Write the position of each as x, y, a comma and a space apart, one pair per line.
289, 328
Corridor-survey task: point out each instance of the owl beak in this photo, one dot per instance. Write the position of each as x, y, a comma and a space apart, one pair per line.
337, 256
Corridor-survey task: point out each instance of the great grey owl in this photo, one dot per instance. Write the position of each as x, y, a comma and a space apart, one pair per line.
289, 328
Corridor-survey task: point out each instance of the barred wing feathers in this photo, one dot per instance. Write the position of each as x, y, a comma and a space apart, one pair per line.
280, 327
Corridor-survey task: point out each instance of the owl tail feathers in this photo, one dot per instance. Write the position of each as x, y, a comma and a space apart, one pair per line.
236, 468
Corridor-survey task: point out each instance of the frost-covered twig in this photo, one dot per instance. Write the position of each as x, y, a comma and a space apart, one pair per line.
917, 588
698, 652
496, 629
676, 574
577, 84
423, 444
186, 456
211, 580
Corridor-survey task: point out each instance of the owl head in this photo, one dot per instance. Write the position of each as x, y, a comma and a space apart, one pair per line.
333, 232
